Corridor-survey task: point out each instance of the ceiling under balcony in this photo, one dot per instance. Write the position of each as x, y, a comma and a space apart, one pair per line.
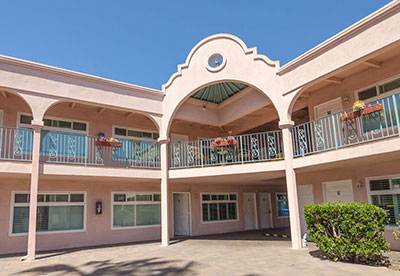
219, 92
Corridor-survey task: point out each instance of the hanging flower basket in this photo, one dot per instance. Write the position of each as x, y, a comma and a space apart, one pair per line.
358, 112
223, 142
104, 142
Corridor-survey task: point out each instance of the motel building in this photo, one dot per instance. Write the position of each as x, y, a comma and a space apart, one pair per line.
232, 142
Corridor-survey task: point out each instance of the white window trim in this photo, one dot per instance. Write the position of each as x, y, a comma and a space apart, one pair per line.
277, 206
13, 204
219, 201
70, 130
383, 192
376, 85
132, 137
132, 203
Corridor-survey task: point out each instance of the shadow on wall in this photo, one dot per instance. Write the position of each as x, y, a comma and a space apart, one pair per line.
153, 266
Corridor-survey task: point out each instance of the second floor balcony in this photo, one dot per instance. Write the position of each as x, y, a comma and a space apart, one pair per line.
380, 120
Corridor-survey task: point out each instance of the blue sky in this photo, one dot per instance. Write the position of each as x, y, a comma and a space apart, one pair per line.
142, 42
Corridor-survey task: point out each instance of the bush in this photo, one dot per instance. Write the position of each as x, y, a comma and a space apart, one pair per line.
350, 232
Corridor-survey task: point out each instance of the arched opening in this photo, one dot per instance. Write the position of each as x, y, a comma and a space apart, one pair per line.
226, 122
16, 141
78, 133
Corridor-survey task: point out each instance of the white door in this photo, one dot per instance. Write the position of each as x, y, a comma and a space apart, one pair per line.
328, 108
265, 210
250, 214
338, 191
181, 215
305, 196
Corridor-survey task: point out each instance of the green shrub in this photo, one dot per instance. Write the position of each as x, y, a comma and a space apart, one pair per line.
350, 232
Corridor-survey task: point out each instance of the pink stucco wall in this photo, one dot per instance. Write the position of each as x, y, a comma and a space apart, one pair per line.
355, 172
98, 227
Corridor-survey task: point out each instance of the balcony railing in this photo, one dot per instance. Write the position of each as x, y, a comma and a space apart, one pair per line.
334, 131
249, 148
16, 144
79, 149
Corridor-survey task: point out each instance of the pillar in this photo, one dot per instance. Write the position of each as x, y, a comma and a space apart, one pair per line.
294, 215
37, 126
165, 229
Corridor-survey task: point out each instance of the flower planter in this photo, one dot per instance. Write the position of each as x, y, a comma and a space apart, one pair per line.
223, 143
367, 110
108, 144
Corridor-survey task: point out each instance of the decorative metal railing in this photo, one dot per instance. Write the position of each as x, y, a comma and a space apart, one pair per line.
338, 130
255, 147
16, 143
71, 148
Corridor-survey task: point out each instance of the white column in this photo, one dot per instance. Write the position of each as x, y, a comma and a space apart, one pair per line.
165, 229
294, 215
37, 126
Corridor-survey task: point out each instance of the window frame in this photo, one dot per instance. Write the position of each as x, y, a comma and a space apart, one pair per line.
133, 203
382, 192
133, 137
71, 130
277, 205
219, 201
379, 94
13, 204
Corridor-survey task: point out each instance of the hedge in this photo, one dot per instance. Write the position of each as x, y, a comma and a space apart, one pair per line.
350, 232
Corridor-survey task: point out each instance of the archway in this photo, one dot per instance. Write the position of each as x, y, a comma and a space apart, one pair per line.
77, 133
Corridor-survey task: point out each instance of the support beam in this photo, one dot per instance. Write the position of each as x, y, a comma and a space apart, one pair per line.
372, 63
31, 255
4, 94
165, 229
73, 105
101, 110
294, 216
130, 114
334, 80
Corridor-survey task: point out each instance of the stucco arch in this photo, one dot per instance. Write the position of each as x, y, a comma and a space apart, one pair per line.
20, 96
242, 64
154, 118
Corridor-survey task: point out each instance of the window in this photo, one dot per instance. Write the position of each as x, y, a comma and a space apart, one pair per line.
135, 209
56, 211
384, 88
219, 207
385, 193
135, 133
55, 124
283, 206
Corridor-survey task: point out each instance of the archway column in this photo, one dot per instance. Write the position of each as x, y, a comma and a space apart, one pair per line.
37, 126
294, 215
165, 214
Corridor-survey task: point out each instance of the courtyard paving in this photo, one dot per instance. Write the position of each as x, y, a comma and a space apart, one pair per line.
248, 253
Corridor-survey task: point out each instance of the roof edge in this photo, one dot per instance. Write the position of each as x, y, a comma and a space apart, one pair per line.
369, 19
78, 75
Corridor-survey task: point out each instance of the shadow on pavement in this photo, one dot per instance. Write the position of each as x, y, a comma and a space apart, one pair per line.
153, 266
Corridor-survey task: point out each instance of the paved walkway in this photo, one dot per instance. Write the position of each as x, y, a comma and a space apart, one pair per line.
232, 254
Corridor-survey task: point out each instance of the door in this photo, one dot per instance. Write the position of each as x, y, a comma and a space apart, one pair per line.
250, 214
305, 196
328, 108
179, 138
338, 191
265, 210
181, 215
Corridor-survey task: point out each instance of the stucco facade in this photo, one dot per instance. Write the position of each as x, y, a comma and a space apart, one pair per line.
169, 176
